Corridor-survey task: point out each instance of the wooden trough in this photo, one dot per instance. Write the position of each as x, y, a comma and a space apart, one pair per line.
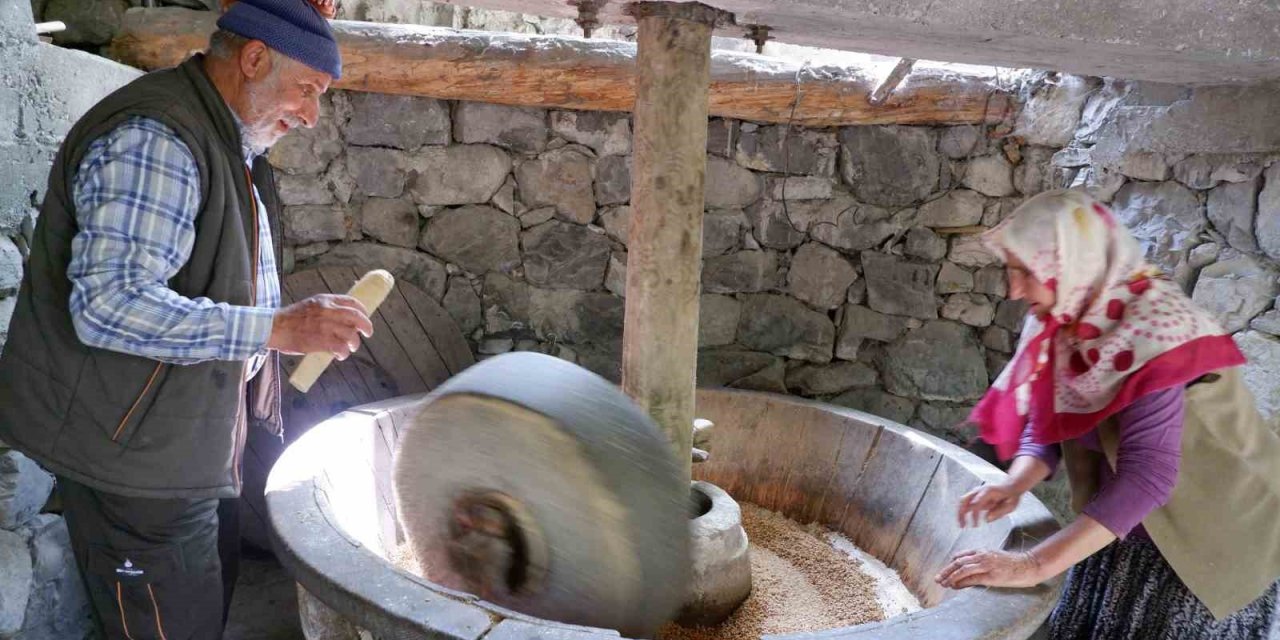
891, 489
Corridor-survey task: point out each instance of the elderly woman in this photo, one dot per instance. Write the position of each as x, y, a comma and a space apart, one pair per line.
1175, 479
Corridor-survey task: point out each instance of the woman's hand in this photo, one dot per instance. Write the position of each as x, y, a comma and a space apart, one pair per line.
991, 569
987, 503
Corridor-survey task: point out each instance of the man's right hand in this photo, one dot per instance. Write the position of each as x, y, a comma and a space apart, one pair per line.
324, 323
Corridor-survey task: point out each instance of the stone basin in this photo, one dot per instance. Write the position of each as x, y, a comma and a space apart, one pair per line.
891, 489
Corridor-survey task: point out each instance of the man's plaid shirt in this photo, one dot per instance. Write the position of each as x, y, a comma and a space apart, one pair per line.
137, 193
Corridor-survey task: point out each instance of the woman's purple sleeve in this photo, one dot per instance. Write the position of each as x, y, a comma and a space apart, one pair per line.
1049, 454
1147, 459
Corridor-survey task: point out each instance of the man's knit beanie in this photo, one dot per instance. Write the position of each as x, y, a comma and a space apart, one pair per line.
292, 27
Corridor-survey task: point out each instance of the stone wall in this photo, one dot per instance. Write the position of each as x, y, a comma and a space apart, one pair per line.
43, 89
1195, 175
838, 264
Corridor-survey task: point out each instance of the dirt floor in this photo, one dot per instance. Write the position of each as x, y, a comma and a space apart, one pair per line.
265, 605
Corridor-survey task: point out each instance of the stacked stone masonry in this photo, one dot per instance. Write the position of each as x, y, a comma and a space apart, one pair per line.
840, 264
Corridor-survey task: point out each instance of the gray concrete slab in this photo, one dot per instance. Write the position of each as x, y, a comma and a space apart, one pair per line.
1185, 42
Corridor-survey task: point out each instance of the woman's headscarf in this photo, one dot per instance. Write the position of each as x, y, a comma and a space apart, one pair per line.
1117, 331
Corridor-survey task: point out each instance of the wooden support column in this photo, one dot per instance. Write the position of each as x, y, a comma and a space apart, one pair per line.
664, 259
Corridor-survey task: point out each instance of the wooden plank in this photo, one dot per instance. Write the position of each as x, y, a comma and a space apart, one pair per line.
412, 336
819, 435
846, 473
304, 284
934, 531
897, 473
735, 416
592, 75
384, 352
443, 332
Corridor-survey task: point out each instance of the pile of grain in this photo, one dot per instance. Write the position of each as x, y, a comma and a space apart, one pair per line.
800, 582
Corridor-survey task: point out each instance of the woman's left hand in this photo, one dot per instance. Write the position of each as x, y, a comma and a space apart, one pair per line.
990, 569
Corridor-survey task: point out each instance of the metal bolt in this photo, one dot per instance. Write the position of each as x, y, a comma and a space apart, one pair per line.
759, 34
589, 15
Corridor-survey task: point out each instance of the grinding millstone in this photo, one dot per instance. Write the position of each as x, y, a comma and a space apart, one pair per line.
541, 487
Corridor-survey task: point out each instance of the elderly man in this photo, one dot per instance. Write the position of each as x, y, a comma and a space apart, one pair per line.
146, 333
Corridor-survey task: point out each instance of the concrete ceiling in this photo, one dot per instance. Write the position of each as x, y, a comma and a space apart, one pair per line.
1189, 42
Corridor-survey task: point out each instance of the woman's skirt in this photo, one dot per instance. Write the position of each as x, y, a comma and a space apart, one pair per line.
1128, 591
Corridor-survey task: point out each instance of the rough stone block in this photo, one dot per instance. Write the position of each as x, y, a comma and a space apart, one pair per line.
412, 266
1235, 291
302, 189
562, 255
463, 305
521, 129
1195, 172
615, 278
722, 231
939, 361
58, 607
15, 582
1010, 314
742, 370
1036, 173
6, 313
308, 151
1263, 355
608, 134
1268, 322
846, 225
24, 489
772, 227
1051, 116
459, 174
613, 180
794, 188
378, 173
897, 287
729, 186
861, 323
953, 279
960, 208
561, 178
89, 24
740, 272
990, 175
877, 403
402, 122
795, 152
10, 267
722, 137
961, 142
968, 251
1267, 226
820, 276
1165, 217
1231, 208
926, 245
1145, 166
394, 222
819, 380
577, 317
306, 224
718, 317
991, 281
889, 166
784, 327
972, 309
616, 222
477, 238
999, 339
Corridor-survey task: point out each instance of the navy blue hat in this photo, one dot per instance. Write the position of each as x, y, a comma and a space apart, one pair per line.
292, 27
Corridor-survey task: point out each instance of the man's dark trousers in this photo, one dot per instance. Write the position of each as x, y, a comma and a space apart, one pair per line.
160, 569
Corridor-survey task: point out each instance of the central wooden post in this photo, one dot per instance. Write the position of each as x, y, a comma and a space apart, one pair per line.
664, 260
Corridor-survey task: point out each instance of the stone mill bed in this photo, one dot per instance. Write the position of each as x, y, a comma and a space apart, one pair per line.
888, 489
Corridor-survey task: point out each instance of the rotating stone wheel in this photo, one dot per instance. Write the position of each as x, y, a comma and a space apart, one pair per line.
539, 486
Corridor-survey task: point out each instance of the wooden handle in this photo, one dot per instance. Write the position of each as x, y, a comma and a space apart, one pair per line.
370, 290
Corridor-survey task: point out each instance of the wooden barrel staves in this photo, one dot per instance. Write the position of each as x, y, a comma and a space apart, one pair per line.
415, 347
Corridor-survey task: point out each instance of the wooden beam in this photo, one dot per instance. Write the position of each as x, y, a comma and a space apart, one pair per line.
575, 73
664, 264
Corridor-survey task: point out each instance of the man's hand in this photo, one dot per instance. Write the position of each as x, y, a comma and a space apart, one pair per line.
991, 569
987, 503
325, 323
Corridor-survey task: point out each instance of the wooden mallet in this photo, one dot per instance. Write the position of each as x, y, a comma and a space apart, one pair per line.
370, 290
